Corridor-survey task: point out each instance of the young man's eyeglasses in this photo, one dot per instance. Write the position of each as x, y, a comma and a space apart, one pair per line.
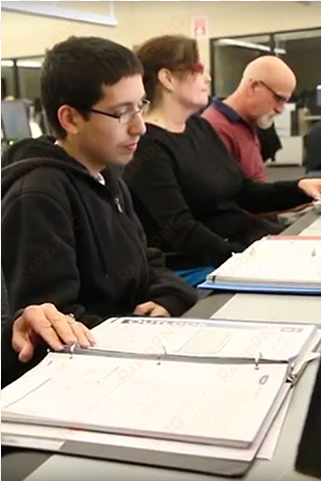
126, 117
279, 98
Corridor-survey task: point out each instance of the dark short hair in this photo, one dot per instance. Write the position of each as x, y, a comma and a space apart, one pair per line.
174, 52
75, 70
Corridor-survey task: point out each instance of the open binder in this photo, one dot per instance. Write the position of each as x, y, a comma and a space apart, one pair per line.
184, 393
278, 264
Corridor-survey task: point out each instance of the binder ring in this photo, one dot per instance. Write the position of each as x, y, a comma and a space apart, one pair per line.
257, 360
72, 350
159, 357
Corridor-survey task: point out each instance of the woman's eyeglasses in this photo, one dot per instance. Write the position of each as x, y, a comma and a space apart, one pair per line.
197, 67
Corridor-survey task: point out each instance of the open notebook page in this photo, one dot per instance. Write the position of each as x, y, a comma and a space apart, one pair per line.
170, 400
199, 338
187, 454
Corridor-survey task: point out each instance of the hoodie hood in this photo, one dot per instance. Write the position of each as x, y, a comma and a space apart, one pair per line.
30, 154
30, 148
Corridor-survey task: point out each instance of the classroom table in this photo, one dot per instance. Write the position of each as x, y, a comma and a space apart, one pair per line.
31, 465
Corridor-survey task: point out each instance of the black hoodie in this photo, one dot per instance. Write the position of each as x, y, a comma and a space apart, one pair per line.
72, 241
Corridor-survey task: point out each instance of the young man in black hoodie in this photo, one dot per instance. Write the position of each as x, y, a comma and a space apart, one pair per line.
70, 235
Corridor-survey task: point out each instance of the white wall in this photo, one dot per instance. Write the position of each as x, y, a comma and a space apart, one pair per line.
24, 35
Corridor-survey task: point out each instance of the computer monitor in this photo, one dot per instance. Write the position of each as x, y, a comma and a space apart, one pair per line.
319, 95
15, 123
308, 459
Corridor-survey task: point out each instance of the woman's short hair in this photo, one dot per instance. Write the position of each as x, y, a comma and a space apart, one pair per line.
173, 52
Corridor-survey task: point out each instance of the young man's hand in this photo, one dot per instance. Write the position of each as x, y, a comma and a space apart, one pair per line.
151, 309
50, 325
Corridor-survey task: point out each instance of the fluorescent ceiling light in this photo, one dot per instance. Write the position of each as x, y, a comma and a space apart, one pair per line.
255, 46
29, 64
6, 63
56, 10
22, 63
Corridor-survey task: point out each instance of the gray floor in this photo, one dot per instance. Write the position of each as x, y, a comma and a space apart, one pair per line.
285, 172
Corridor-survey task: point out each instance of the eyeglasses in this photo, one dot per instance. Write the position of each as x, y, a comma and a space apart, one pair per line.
279, 98
126, 117
197, 67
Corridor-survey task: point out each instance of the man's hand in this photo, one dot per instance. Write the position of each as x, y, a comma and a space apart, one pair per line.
312, 187
151, 309
53, 327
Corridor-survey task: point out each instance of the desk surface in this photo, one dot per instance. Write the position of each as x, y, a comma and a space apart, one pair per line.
17, 466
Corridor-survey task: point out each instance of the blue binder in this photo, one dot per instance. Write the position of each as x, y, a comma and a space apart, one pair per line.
272, 289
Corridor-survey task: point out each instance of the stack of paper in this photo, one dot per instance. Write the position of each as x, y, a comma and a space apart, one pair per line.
275, 264
208, 391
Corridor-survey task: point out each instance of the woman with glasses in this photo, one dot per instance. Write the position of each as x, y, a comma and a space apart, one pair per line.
193, 200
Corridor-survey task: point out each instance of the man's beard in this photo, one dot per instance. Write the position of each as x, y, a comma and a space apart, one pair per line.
266, 121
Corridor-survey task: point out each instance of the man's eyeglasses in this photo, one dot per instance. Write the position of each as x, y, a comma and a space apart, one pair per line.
126, 117
279, 98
